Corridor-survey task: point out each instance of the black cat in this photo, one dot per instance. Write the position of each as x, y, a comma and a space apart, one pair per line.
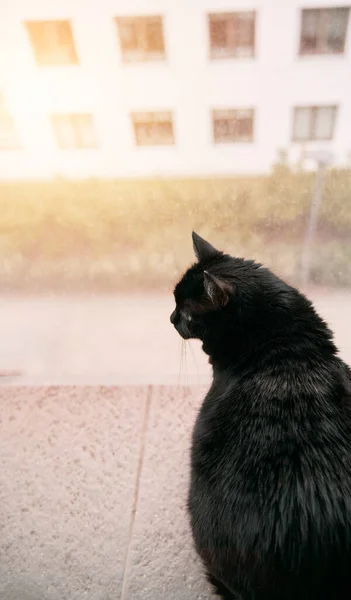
270, 492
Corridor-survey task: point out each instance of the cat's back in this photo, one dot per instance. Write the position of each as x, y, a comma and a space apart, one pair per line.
271, 473
250, 416
258, 424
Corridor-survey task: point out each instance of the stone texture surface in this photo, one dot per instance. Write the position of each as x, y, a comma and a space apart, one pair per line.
69, 461
162, 563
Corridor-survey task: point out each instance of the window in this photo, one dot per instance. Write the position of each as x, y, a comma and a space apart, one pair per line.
141, 38
232, 35
9, 139
153, 129
314, 123
52, 42
233, 126
323, 30
74, 131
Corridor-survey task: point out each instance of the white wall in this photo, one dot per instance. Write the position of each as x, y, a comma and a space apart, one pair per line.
187, 83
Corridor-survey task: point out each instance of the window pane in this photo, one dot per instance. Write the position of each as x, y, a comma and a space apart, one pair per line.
232, 125
324, 123
64, 131
142, 133
323, 31
74, 131
309, 31
163, 133
52, 42
224, 114
37, 37
85, 131
302, 124
336, 29
141, 38
128, 35
245, 37
218, 33
232, 34
244, 129
223, 129
154, 36
153, 129
65, 49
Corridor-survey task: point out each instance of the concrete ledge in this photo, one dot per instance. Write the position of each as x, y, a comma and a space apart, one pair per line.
93, 484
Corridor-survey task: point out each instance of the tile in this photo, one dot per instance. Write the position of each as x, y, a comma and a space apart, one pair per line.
68, 468
162, 563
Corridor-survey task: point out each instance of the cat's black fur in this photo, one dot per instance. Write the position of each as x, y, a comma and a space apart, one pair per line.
270, 492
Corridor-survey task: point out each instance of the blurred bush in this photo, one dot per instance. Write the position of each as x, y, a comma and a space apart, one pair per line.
136, 234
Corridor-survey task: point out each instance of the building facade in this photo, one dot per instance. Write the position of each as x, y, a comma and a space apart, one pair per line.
129, 88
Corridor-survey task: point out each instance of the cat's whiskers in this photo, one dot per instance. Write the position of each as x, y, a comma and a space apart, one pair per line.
185, 344
182, 363
195, 363
183, 376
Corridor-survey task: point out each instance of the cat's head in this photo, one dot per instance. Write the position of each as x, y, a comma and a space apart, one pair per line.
220, 295
236, 306
206, 290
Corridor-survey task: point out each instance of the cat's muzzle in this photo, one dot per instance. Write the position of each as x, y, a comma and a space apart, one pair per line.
181, 326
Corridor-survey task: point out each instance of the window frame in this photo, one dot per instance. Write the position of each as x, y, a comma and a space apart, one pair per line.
322, 30
312, 124
232, 115
54, 55
141, 53
77, 131
154, 118
232, 50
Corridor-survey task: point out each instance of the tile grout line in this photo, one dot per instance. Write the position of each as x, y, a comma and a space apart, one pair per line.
136, 492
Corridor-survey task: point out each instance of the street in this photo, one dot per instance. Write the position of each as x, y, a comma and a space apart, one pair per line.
117, 339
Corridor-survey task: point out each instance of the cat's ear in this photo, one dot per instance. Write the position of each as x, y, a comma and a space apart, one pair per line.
217, 290
203, 250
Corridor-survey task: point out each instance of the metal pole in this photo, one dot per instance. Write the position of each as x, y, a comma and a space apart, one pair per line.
312, 224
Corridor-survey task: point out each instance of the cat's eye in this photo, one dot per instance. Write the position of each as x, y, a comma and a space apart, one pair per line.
188, 317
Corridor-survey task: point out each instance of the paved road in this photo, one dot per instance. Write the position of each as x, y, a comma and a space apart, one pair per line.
117, 339
104, 339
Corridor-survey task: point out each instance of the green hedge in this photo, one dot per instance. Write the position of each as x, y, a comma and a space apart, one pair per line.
123, 234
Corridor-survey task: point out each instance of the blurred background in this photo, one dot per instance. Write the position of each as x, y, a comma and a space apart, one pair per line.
125, 124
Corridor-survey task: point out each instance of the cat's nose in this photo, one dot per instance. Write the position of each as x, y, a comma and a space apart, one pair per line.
173, 317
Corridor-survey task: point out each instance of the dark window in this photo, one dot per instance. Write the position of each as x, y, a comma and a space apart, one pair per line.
74, 131
323, 30
141, 38
232, 34
9, 139
314, 123
233, 126
52, 42
153, 129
